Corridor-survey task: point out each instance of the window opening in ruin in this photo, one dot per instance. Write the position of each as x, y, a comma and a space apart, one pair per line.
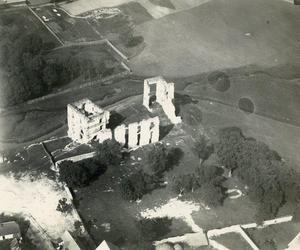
126, 139
152, 125
81, 134
151, 135
139, 140
138, 135
152, 100
152, 94
94, 138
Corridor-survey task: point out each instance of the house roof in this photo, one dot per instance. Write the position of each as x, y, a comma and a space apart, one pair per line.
69, 242
7, 228
107, 246
295, 243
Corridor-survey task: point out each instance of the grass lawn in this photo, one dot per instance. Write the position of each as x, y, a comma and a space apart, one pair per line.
67, 28
100, 56
282, 104
275, 236
233, 241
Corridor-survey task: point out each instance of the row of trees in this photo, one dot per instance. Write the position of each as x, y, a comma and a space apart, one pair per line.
271, 183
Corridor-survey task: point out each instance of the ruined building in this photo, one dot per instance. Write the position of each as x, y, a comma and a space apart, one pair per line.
157, 90
88, 122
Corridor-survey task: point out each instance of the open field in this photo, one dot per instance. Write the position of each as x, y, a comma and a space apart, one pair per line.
22, 20
272, 97
212, 36
155, 9
68, 29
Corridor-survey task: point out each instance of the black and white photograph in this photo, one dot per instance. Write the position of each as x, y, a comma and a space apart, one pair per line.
149, 124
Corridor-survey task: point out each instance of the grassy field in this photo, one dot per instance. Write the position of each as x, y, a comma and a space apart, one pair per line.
212, 36
273, 97
67, 28
21, 19
233, 241
275, 236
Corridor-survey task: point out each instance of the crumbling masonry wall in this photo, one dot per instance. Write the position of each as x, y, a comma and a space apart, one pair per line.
163, 94
87, 121
138, 134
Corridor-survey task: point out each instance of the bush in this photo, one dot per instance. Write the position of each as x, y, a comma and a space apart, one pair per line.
134, 41
156, 159
138, 184
80, 174
202, 148
210, 194
160, 160
109, 153
207, 181
185, 183
63, 206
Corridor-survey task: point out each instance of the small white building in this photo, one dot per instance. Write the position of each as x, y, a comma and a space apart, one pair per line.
10, 230
295, 243
105, 245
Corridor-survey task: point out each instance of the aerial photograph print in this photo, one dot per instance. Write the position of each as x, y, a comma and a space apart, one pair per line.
149, 124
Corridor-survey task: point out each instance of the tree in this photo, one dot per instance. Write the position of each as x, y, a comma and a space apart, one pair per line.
210, 194
63, 206
202, 148
109, 153
210, 174
133, 187
230, 140
80, 174
185, 183
156, 159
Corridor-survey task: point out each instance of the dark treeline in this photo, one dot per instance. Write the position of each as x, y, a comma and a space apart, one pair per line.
270, 181
32, 70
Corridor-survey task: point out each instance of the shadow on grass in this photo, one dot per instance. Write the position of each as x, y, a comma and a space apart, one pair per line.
181, 100
165, 130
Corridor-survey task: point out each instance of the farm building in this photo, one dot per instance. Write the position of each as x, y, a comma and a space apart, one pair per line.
10, 230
